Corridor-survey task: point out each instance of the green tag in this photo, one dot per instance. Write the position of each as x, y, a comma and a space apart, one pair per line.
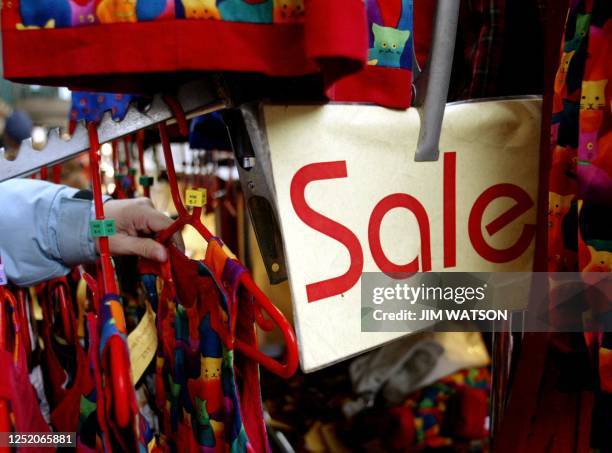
109, 227
102, 228
132, 171
146, 181
119, 175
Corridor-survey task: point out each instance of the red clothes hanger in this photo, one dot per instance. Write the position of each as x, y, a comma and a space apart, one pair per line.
184, 217
129, 171
120, 375
145, 181
23, 303
60, 292
6, 297
261, 301
56, 174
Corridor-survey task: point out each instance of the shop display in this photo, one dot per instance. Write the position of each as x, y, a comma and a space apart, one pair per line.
237, 187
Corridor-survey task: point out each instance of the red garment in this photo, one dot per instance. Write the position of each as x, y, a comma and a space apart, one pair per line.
16, 388
64, 400
387, 78
228, 271
331, 39
65, 415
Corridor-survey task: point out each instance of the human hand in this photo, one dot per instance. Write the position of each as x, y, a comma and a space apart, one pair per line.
133, 218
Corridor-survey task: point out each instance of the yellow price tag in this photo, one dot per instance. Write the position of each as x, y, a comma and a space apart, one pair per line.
142, 344
195, 198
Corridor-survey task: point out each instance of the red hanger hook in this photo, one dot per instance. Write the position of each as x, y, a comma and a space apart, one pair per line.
23, 302
185, 218
120, 376
262, 302
7, 298
60, 292
285, 370
140, 145
108, 271
179, 114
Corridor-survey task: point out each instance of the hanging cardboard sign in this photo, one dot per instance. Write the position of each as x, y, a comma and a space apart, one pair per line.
351, 199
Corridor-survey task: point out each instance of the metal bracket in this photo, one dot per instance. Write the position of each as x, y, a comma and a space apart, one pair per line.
250, 144
196, 98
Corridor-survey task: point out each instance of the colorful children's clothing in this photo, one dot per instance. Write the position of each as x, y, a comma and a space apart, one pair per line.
387, 78
64, 387
81, 43
580, 184
19, 407
208, 398
580, 181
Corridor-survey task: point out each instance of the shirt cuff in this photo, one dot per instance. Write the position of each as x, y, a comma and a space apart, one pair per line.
75, 243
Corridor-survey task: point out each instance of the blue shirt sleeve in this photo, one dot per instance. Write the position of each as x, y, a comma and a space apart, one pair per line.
44, 231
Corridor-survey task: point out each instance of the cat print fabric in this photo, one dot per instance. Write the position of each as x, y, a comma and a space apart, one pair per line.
390, 27
201, 9
580, 176
37, 14
45, 14
287, 11
206, 403
387, 77
130, 46
389, 45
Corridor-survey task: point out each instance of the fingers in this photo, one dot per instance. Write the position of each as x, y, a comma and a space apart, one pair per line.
177, 240
153, 220
136, 216
139, 216
122, 244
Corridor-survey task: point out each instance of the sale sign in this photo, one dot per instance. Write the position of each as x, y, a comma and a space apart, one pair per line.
352, 199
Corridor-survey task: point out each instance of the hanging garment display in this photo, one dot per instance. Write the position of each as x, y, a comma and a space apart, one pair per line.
580, 180
119, 421
580, 177
559, 399
89, 106
59, 43
19, 407
209, 397
387, 78
68, 381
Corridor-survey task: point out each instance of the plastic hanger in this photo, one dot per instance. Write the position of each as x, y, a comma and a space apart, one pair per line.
145, 181
23, 303
129, 171
60, 292
184, 217
6, 297
260, 300
119, 378
56, 173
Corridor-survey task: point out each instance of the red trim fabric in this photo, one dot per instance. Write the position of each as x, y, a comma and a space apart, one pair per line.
82, 56
389, 87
